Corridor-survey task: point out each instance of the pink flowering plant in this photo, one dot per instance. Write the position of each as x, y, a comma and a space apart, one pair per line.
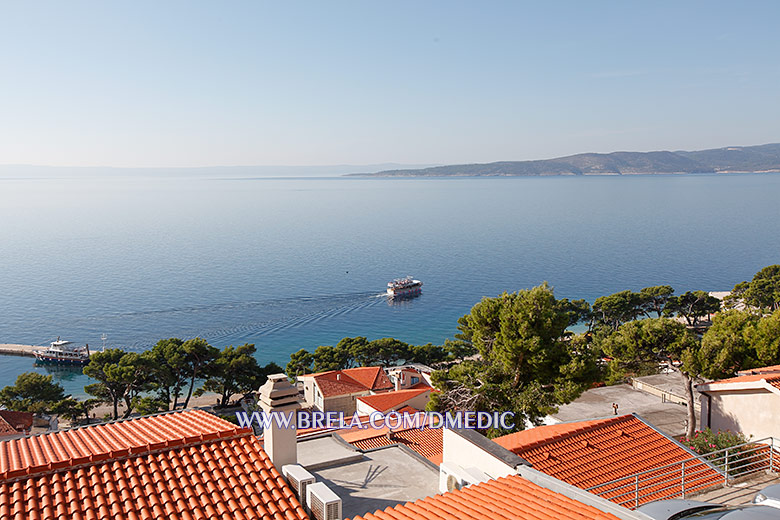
705, 442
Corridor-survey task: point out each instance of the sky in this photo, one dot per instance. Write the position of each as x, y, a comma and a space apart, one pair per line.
204, 83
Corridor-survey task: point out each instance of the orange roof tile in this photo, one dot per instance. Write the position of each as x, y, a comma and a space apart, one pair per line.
230, 478
421, 384
506, 498
762, 370
40, 452
593, 453
351, 381
18, 421
760, 379
427, 441
388, 400
183, 465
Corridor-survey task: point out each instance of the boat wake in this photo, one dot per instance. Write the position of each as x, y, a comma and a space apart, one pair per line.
224, 323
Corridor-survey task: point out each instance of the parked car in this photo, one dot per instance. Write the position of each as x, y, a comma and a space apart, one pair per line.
769, 496
695, 510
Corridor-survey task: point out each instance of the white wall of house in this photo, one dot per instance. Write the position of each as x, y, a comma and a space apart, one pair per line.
752, 412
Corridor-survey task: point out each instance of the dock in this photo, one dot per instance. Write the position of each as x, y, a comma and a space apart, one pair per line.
12, 349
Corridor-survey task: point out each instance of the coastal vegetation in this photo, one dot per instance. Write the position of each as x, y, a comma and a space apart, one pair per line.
513, 352
761, 158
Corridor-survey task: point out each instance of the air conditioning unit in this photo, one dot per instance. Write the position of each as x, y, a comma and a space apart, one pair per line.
453, 477
299, 479
323, 503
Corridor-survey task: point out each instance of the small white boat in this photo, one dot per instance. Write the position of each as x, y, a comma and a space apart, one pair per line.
404, 287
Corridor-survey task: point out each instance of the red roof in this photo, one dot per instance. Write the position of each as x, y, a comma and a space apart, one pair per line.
352, 381
192, 465
80, 445
12, 423
389, 400
425, 441
593, 453
761, 380
506, 498
762, 370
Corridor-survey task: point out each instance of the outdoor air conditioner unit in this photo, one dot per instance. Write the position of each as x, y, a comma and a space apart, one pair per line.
323, 503
299, 479
453, 477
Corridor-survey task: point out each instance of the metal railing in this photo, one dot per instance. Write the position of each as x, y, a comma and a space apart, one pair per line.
693, 474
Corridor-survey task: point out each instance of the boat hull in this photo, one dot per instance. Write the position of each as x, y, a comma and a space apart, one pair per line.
49, 360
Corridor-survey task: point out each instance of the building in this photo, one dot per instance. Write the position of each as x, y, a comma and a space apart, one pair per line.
15, 423
414, 398
748, 403
181, 465
408, 376
338, 390
604, 456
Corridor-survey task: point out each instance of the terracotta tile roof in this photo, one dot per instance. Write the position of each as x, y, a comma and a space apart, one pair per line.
7, 429
761, 379
351, 381
230, 478
591, 454
762, 370
421, 384
425, 441
17, 421
388, 400
53, 450
506, 498
192, 466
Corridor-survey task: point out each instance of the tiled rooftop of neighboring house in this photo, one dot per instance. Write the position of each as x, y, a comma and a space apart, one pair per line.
81, 445
14, 423
185, 465
387, 401
767, 377
593, 453
506, 498
425, 441
351, 381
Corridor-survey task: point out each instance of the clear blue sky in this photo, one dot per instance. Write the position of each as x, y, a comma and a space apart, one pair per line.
196, 83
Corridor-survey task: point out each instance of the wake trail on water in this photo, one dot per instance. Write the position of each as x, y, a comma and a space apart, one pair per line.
230, 321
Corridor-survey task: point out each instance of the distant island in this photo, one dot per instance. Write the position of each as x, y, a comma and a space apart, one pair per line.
732, 159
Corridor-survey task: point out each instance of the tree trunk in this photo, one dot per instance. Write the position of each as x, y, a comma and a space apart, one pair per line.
689, 405
189, 392
116, 408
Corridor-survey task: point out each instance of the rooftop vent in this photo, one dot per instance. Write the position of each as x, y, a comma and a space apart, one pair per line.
323, 503
299, 479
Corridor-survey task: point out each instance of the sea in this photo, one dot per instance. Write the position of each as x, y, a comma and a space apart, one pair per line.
291, 263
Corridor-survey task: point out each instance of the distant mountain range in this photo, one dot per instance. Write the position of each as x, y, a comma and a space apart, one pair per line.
747, 159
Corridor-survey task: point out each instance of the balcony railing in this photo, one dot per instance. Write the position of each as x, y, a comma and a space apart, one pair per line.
679, 479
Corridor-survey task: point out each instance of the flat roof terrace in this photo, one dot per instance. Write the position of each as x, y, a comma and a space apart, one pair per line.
371, 480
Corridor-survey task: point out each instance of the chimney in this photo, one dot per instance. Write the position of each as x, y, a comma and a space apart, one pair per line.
278, 396
398, 379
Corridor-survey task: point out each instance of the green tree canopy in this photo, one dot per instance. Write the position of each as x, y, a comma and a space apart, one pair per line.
301, 362
654, 299
616, 309
528, 364
121, 376
236, 371
763, 291
692, 305
727, 346
34, 393
171, 371
198, 355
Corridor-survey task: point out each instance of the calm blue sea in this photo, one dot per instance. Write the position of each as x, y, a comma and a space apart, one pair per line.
292, 263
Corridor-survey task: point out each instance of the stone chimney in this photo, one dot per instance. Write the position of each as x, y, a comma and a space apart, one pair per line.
278, 396
398, 379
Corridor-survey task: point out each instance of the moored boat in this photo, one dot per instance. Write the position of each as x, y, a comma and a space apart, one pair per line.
62, 352
403, 287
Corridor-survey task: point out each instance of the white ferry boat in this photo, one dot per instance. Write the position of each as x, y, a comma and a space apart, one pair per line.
62, 352
403, 287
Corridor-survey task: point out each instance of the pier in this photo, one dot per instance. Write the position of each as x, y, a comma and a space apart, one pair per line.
11, 349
